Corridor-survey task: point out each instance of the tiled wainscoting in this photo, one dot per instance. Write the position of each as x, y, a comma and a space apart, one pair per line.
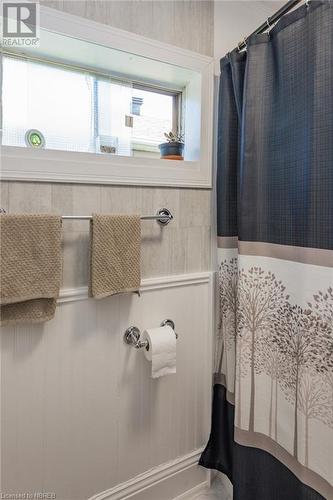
181, 247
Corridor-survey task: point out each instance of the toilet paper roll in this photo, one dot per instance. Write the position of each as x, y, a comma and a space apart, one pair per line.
161, 351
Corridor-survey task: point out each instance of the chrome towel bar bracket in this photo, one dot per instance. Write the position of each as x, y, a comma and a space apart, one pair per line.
133, 334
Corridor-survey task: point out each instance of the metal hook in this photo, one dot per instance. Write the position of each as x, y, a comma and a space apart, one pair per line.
239, 45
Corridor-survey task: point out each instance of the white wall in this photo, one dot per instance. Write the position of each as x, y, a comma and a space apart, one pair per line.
234, 20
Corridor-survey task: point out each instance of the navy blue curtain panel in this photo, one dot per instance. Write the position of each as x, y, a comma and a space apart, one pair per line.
272, 422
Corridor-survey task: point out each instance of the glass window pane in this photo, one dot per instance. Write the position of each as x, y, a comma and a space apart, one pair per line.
154, 118
55, 101
114, 105
82, 111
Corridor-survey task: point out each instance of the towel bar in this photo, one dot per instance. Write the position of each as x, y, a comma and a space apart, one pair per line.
163, 216
132, 335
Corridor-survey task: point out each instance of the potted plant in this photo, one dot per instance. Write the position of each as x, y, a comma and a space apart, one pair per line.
173, 148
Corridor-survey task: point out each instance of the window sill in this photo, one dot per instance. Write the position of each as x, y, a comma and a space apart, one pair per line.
24, 164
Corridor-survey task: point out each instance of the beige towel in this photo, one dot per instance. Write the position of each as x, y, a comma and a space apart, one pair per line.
114, 254
30, 267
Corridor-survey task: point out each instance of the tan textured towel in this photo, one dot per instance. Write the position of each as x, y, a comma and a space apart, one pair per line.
31, 266
114, 254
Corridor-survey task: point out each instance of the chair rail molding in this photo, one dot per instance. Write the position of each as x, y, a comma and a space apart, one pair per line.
159, 283
24, 164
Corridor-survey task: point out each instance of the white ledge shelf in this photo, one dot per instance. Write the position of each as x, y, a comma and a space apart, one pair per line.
23, 164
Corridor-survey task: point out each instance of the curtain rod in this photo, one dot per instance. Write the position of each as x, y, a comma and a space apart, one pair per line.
270, 21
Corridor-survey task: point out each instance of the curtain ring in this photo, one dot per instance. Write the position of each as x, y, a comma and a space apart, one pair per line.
269, 27
240, 43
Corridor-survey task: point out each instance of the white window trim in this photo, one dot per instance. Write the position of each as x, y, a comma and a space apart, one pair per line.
25, 164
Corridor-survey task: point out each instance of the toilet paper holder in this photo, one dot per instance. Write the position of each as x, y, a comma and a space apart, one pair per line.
133, 334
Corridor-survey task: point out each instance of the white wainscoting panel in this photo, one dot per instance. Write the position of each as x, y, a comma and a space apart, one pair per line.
80, 412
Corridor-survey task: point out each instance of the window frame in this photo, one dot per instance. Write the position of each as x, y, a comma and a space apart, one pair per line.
177, 96
25, 164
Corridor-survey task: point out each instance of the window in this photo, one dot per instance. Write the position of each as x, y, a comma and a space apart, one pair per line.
93, 103
77, 110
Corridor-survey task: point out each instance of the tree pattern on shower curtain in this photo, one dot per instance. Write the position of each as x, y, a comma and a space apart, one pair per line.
291, 345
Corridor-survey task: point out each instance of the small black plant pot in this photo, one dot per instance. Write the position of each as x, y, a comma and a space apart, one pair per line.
172, 150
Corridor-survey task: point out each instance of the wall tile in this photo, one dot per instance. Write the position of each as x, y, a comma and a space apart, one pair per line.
178, 251
86, 200
196, 246
195, 208
4, 195
155, 250
206, 256
62, 203
185, 23
29, 197
120, 199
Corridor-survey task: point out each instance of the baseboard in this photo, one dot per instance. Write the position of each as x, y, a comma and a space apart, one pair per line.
193, 493
174, 480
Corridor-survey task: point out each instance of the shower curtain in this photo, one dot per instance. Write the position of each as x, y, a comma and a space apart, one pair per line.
272, 423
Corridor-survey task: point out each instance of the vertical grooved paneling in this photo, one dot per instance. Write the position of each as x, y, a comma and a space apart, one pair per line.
80, 411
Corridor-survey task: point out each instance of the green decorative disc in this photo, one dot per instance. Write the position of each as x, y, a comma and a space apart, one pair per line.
34, 139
